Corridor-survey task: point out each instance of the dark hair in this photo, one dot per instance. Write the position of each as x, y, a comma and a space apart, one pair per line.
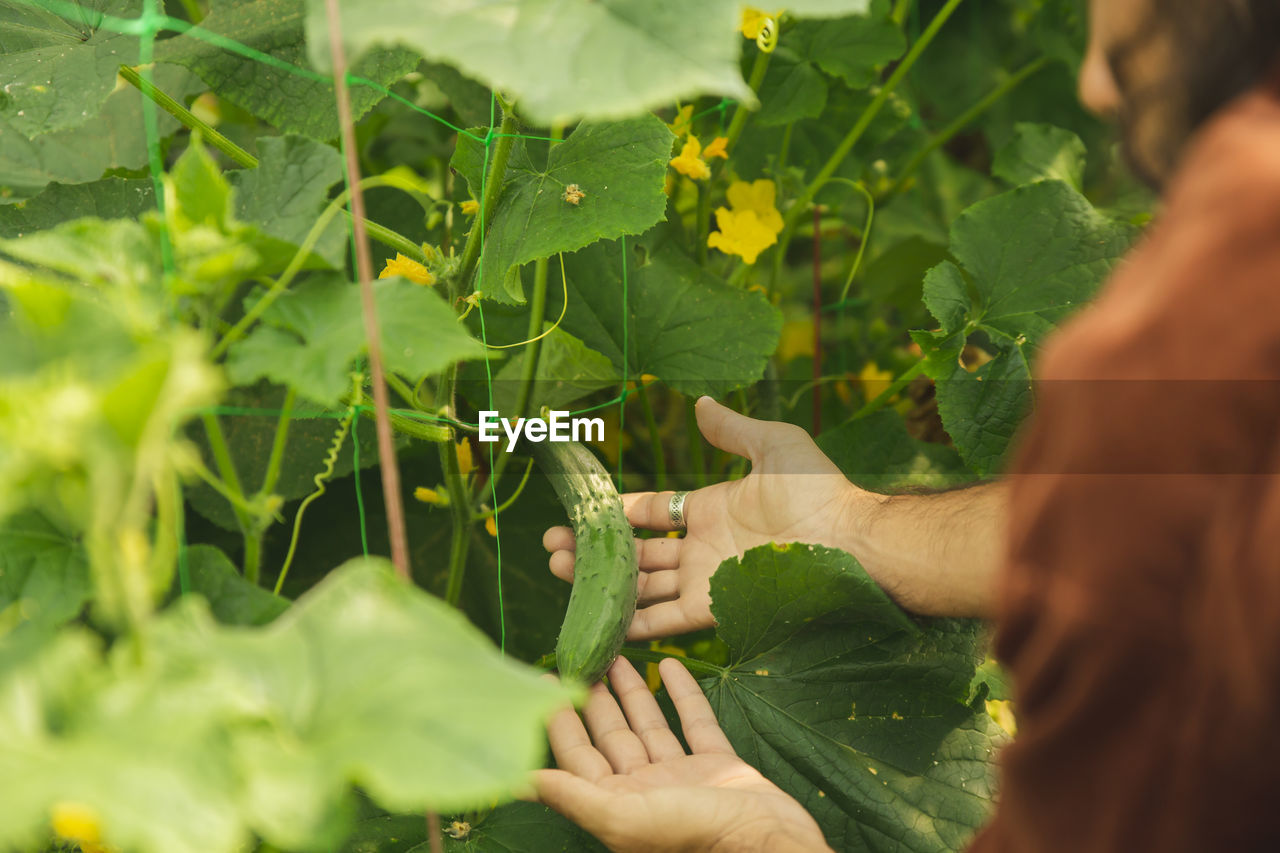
1221, 48
1229, 47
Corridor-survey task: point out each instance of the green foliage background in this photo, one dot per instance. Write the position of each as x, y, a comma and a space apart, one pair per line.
182, 370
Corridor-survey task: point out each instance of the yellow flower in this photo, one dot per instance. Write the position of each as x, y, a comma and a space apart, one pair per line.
757, 197
689, 163
470, 207
874, 380
717, 148
465, 463
741, 233
430, 496
683, 122
75, 822
796, 340
753, 21
491, 525
407, 268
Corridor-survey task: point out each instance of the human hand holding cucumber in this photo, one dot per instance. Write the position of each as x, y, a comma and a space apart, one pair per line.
934, 554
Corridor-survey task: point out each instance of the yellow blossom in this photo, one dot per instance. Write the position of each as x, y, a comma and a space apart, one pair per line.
689, 163
717, 148
430, 496
683, 122
75, 822
491, 525
753, 21
465, 463
758, 197
874, 380
741, 233
470, 207
407, 268
796, 340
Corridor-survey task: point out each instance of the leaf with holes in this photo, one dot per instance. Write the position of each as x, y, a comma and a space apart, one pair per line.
621, 167
859, 712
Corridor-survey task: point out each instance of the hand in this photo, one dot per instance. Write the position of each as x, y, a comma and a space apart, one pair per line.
794, 493
631, 785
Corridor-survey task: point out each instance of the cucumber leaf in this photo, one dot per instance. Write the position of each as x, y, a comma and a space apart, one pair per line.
857, 710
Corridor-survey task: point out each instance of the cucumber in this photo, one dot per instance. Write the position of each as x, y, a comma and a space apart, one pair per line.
605, 570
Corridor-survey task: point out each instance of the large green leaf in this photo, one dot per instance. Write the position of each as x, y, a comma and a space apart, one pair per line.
620, 166
878, 453
112, 198
561, 59
285, 194
293, 103
568, 370
232, 599
311, 336
58, 71
1041, 152
113, 137
44, 578
217, 732
849, 48
512, 828
683, 325
859, 712
1023, 261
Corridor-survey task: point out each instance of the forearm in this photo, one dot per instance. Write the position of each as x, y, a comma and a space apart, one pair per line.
937, 555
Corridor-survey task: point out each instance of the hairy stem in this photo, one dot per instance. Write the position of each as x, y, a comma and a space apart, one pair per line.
492, 190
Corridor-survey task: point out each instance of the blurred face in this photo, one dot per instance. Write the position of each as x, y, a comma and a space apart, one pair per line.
1123, 79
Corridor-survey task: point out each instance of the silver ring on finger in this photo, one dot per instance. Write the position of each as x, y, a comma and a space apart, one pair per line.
675, 511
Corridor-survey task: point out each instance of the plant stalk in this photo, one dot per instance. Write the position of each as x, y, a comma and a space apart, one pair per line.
964, 119
276, 461
492, 191
855, 133
364, 274
655, 439
227, 470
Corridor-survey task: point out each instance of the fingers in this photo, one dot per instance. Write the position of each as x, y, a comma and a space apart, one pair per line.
701, 731
652, 510
643, 712
611, 733
580, 800
572, 747
687, 613
558, 539
728, 430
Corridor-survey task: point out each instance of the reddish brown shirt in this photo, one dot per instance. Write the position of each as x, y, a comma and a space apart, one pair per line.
1140, 611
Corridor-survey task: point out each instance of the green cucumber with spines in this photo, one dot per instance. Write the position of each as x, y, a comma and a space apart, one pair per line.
605, 570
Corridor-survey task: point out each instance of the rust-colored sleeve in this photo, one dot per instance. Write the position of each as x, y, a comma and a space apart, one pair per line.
1140, 611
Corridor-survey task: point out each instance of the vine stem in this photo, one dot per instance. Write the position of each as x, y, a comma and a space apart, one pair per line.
655, 439
793, 214
238, 155
740, 115
276, 460
964, 119
492, 190
364, 274
817, 319
231, 479
882, 399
